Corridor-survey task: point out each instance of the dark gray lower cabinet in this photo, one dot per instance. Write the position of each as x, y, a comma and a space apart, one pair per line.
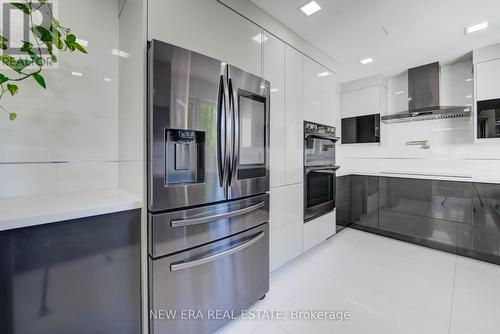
343, 201
486, 226
430, 210
364, 200
78, 276
457, 217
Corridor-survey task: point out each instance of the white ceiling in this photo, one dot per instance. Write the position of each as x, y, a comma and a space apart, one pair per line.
416, 31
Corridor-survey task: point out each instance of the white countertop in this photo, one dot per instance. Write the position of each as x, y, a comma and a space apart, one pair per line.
17, 212
425, 176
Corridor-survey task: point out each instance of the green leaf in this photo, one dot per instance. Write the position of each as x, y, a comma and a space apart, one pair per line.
12, 116
3, 39
27, 46
45, 35
22, 7
39, 79
70, 39
3, 78
3, 46
16, 64
80, 48
42, 1
12, 89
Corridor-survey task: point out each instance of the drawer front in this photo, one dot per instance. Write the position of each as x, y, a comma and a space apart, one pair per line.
225, 276
442, 231
175, 231
443, 200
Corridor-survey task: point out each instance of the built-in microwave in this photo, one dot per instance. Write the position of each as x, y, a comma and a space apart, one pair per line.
488, 118
319, 170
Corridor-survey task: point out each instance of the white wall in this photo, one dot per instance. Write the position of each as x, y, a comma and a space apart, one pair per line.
66, 137
131, 151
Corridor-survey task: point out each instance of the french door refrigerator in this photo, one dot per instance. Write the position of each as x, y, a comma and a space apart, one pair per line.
208, 178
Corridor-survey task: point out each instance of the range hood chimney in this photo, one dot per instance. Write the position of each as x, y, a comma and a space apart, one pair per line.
423, 98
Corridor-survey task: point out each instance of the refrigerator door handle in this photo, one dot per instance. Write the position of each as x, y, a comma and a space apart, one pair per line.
236, 131
212, 218
186, 265
221, 131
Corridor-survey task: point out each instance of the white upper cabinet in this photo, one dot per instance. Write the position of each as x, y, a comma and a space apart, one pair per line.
487, 72
456, 84
359, 102
363, 97
328, 89
312, 91
294, 116
274, 72
488, 80
397, 91
209, 28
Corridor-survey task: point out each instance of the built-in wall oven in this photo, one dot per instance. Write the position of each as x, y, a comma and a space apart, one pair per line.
208, 178
319, 169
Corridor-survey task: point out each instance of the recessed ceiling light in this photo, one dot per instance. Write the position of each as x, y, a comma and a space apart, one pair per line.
107, 79
323, 74
311, 8
366, 61
468, 96
274, 90
76, 74
477, 27
399, 92
260, 38
468, 79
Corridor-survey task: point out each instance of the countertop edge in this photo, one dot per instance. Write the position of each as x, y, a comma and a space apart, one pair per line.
55, 208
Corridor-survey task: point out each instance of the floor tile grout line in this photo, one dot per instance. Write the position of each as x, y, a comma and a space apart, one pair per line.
453, 293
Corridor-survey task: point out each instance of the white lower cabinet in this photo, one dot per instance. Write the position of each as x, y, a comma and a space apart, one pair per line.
286, 217
287, 204
285, 243
318, 230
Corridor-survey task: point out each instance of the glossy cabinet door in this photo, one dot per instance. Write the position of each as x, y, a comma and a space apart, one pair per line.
209, 28
359, 102
312, 91
274, 72
78, 276
364, 200
437, 211
286, 218
486, 221
343, 201
328, 98
294, 118
488, 80
285, 243
318, 230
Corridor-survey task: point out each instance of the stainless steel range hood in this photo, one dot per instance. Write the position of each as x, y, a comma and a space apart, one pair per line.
423, 98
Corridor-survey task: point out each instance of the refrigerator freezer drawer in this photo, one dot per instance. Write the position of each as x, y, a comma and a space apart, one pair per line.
202, 289
175, 231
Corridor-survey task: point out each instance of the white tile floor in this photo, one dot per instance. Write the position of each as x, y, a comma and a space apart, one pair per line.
388, 286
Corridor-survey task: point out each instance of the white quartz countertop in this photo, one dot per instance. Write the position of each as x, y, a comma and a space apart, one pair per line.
17, 212
423, 175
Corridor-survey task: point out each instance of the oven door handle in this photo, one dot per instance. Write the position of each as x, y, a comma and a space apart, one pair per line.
321, 136
212, 218
211, 258
322, 169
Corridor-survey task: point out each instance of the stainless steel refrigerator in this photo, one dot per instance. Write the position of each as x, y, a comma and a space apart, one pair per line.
208, 178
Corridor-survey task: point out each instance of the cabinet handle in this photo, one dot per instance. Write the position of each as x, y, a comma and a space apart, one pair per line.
211, 258
208, 219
